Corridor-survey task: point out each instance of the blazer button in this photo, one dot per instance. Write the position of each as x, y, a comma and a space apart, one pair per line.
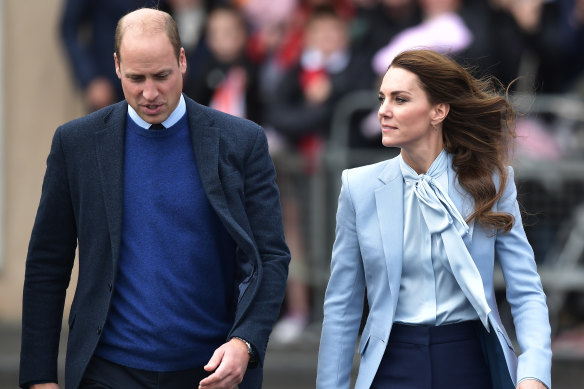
109, 286
99, 330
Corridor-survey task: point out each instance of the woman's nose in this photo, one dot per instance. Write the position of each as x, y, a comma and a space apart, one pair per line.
385, 109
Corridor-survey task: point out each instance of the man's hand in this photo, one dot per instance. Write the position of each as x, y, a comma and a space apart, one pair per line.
50, 385
531, 384
228, 363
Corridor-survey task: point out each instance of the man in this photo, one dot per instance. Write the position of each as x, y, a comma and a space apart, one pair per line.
182, 259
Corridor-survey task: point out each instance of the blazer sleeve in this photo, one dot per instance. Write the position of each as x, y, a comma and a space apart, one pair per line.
49, 262
264, 216
344, 298
524, 293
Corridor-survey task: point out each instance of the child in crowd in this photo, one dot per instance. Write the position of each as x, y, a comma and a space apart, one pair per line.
226, 80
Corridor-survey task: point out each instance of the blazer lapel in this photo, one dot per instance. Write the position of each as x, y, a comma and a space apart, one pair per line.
205, 139
389, 203
110, 161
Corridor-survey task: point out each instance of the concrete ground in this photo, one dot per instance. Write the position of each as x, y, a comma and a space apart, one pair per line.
286, 367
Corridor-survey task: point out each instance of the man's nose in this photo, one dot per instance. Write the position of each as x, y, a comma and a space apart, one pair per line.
150, 91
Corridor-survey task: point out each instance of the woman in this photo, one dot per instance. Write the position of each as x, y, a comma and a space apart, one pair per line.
420, 232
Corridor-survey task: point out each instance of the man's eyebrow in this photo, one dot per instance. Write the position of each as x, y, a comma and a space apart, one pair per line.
131, 74
163, 71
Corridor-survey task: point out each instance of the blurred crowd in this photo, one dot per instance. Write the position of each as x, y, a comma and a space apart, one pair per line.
286, 64
272, 60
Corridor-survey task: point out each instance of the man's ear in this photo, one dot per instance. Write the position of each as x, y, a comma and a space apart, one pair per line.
117, 64
440, 112
182, 61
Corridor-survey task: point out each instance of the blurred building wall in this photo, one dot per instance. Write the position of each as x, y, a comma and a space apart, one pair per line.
38, 95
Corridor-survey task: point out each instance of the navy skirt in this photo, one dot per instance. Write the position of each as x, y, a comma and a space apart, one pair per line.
434, 357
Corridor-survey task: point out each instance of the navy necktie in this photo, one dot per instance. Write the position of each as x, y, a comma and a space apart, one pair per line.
157, 126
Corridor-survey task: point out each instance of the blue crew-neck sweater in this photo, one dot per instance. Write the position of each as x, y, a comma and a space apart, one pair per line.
173, 296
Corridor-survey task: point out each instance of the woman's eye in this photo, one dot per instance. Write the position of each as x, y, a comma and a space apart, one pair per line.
400, 100
381, 99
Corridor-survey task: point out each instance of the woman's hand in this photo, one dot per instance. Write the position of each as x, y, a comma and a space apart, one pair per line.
531, 384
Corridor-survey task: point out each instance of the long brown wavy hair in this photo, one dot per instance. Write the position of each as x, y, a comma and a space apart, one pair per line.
477, 130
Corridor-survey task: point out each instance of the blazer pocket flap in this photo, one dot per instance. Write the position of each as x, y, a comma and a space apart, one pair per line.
363, 343
506, 339
367, 337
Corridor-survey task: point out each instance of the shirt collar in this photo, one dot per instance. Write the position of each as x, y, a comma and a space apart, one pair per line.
174, 117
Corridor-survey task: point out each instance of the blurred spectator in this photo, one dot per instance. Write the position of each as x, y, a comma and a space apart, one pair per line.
278, 27
327, 71
448, 26
376, 22
300, 115
530, 41
190, 17
87, 30
274, 42
574, 35
226, 80
570, 340
276, 32
277, 36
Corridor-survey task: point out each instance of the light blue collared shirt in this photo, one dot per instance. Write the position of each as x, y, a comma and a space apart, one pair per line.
174, 117
429, 294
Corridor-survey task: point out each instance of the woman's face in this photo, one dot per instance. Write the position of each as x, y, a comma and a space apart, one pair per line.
405, 113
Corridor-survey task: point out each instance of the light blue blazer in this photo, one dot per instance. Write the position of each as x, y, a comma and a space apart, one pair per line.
367, 255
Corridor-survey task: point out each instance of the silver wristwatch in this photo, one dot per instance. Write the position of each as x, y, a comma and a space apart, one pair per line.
250, 351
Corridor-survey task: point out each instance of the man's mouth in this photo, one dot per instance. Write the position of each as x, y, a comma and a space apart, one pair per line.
152, 109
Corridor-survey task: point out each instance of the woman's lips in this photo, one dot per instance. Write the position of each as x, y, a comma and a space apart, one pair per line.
388, 128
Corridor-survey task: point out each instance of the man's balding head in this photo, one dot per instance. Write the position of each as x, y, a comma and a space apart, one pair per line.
147, 21
152, 80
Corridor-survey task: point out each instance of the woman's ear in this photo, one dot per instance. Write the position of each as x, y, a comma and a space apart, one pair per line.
440, 112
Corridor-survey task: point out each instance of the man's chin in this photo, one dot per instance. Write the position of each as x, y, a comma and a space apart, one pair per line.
159, 118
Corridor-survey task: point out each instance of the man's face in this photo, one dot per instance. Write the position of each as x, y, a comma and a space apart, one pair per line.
152, 79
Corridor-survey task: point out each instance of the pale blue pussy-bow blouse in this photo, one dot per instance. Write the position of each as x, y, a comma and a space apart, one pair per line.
440, 283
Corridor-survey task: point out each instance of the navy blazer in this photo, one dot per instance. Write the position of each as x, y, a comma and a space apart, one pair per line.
81, 202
